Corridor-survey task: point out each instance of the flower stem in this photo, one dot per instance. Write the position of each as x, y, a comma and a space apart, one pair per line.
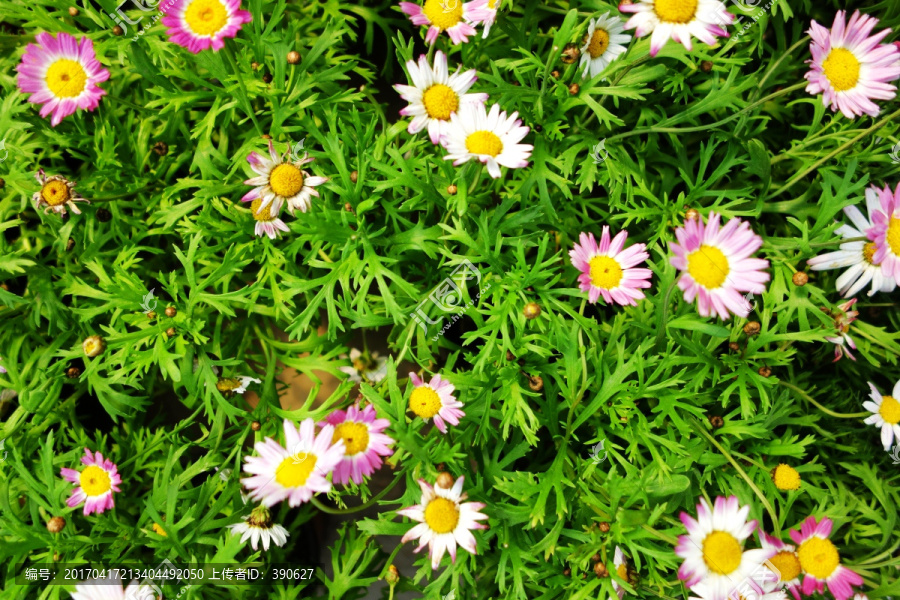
810, 399
353, 509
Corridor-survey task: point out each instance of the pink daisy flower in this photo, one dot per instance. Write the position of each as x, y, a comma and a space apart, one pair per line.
435, 95
608, 270
201, 24
62, 74
280, 181
821, 562
296, 472
678, 20
267, 221
842, 341
785, 561
714, 558
716, 265
851, 68
442, 15
444, 521
885, 232
94, 485
364, 442
435, 400
484, 12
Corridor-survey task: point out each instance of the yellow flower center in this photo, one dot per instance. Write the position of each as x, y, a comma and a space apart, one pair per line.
599, 43
818, 557
293, 473
708, 266
95, 481
443, 14
605, 272
722, 552
442, 515
484, 142
425, 402
159, 530
675, 11
787, 564
55, 192
265, 214
355, 436
869, 253
206, 17
841, 68
893, 235
440, 101
890, 410
622, 571
286, 180
786, 477
492, 4
227, 384
66, 78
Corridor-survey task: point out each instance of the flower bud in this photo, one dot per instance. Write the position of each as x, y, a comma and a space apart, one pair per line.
445, 480
354, 176
716, 421
765, 371
451, 189
293, 57
267, 78
603, 526
800, 278
752, 328
93, 346
393, 576
170, 332
56, 524
706, 66
786, 477
570, 54
73, 11
531, 310
171, 311
73, 372
161, 148
118, 30
574, 88
692, 214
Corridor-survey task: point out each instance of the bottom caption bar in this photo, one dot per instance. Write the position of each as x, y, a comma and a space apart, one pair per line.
165, 573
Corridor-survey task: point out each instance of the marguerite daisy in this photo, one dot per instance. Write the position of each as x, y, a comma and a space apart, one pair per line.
716, 265
56, 194
280, 180
843, 343
229, 386
364, 442
260, 526
62, 74
370, 367
603, 44
267, 221
858, 256
111, 588
95, 484
885, 414
712, 549
435, 94
784, 561
294, 473
677, 19
452, 16
849, 67
444, 521
493, 138
622, 571
201, 24
821, 562
885, 232
609, 270
485, 12
435, 400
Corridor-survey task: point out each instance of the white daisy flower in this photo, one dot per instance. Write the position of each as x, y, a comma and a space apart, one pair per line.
444, 521
373, 369
857, 256
260, 526
493, 138
280, 180
885, 414
435, 95
678, 20
603, 44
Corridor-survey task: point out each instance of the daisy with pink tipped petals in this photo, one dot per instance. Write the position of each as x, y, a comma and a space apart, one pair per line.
821, 562
785, 561
678, 20
62, 74
716, 265
484, 12
712, 550
297, 471
435, 94
280, 181
201, 24
364, 442
435, 400
95, 484
490, 137
849, 67
885, 232
452, 16
444, 521
609, 270
843, 343
885, 414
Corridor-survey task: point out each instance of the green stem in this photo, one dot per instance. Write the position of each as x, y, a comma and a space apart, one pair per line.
746, 109
800, 176
351, 510
659, 534
741, 472
810, 399
229, 56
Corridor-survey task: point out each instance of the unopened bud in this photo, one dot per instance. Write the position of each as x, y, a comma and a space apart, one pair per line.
56, 524
531, 310
445, 480
706, 66
393, 576
171, 311
765, 371
354, 176
170, 332
293, 57
93, 346
752, 328
800, 278
73, 11
570, 54
716, 421
600, 570
451, 189
255, 426
574, 88
604, 526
